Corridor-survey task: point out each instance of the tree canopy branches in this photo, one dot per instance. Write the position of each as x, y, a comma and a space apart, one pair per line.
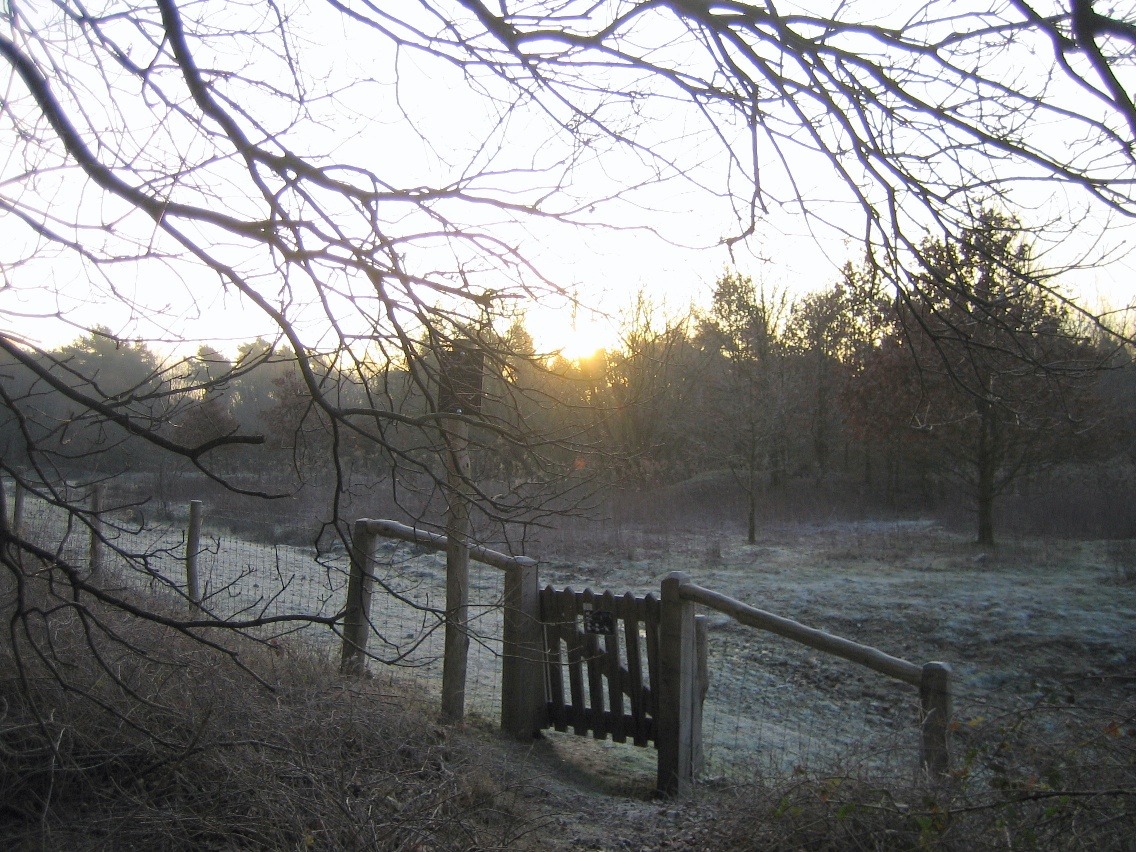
372, 189
913, 113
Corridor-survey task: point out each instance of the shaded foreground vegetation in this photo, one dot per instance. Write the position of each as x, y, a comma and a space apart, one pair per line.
159, 743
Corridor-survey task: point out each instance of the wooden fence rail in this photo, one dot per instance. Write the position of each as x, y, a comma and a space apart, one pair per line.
437, 541
810, 636
622, 666
679, 742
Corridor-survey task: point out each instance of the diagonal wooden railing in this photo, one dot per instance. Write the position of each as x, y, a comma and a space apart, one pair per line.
678, 686
527, 687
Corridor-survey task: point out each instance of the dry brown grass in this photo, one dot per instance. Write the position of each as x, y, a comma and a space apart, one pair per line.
136, 736
1049, 777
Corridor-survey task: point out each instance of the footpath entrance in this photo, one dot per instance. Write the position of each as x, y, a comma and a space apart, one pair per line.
607, 648
625, 667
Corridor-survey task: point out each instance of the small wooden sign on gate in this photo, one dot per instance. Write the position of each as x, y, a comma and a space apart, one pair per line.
599, 622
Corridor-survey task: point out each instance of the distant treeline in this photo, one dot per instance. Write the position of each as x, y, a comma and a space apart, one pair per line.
972, 381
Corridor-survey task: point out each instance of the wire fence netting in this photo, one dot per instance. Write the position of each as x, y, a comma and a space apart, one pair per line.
241, 580
773, 709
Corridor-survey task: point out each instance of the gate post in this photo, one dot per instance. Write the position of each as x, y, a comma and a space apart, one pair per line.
522, 664
357, 612
675, 719
935, 718
192, 550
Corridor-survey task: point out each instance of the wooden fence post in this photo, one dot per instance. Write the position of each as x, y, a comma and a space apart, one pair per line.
675, 717
357, 612
935, 718
461, 369
96, 549
192, 548
522, 664
455, 662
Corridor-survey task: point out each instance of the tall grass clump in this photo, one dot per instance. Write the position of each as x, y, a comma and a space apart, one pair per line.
120, 733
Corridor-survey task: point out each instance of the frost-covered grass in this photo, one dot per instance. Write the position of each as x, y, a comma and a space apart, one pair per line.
1038, 632
1032, 623
1019, 625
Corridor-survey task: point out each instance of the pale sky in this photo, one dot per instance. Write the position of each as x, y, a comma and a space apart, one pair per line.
420, 122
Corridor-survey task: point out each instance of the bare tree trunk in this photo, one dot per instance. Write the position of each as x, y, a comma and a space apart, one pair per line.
751, 489
820, 422
985, 516
986, 463
751, 530
891, 477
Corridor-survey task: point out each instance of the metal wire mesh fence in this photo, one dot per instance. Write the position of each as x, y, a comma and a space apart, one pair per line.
775, 708
407, 617
48, 525
242, 580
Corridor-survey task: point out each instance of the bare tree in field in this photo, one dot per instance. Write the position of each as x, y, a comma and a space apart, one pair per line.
169, 162
984, 371
744, 332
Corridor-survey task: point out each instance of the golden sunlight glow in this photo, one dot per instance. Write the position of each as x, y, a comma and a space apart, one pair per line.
574, 338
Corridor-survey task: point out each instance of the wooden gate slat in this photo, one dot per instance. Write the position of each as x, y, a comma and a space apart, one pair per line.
593, 662
614, 673
576, 654
577, 714
629, 613
651, 618
550, 617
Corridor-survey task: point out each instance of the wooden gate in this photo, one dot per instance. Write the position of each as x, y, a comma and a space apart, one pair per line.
636, 668
601, 663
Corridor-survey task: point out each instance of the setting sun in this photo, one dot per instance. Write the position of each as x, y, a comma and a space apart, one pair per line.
571, 337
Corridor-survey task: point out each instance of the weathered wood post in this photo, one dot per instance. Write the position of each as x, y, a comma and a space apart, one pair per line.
357, 611
456, 659
674, 721
459, 395
935, 717
96, 528
701, 687
192, 548
17, 509
522, 665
